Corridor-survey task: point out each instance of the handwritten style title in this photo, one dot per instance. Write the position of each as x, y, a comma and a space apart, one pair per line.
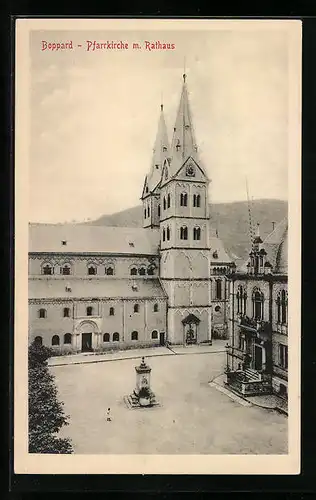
93, 45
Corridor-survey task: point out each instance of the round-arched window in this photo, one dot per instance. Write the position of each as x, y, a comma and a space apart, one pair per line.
55, 340
106, 337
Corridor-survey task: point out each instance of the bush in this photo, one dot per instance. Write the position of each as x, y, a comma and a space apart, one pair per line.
46, 413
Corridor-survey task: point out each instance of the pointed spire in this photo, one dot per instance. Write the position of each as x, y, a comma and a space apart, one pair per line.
160, 152
183, 142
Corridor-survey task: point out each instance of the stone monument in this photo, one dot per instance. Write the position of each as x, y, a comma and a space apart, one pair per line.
142, 396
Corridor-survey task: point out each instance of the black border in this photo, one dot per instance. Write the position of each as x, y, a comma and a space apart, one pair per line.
214, 483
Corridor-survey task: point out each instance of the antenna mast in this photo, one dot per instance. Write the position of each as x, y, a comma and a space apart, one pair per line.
251, 228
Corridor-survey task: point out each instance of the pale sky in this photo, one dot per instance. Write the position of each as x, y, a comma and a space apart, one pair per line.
94, 117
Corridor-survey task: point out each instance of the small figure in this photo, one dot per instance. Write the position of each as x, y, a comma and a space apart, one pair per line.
108, 417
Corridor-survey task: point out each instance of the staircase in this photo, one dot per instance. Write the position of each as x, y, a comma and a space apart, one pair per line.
252, 375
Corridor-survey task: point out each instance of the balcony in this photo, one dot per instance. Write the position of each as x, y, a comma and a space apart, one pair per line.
255, 326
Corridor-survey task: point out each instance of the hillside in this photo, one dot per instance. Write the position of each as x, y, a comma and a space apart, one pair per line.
230, 219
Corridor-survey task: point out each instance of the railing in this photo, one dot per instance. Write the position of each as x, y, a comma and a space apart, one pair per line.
254, 325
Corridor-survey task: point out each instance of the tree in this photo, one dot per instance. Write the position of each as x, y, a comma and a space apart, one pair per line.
46, 413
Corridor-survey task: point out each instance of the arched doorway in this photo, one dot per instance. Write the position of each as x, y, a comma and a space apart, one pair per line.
88, 331
190, 327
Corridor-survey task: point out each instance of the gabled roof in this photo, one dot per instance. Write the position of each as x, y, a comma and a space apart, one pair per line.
217, 248
46, 288
276, 246
81, 238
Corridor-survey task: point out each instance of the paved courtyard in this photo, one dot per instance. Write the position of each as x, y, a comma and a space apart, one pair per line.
193, 417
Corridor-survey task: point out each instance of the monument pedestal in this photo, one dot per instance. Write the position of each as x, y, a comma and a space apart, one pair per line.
143, 396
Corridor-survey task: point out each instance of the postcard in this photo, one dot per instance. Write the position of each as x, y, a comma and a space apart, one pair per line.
157, 246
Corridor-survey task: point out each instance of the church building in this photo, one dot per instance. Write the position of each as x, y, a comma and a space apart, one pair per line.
94, 287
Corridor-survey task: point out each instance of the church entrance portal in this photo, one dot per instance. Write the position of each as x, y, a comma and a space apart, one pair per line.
86, 342
191, 325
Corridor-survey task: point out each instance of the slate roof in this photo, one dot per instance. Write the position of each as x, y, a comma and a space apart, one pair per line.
276, 246
94, 288
222, 256
81, 238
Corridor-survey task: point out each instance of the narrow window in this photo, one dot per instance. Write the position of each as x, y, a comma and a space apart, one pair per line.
257, 300
106, 337
145, 213
66, 312
169, 200
67, 338
283, 307
111, 311
164, 203
154, 334
168, 233
283, 356
134, 335
89, 311
194, 200
196, 233
133, 271
38, 340
150, 270
55, 340
185, 233
109, 271
156, 308
148, 211
42, 313
198, 200
218, 289
136, 308
158, 210
142, 271
163, 234
116, 337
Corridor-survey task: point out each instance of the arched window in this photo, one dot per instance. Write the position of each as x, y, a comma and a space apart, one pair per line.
168, 233
148, 211
55, 340
136, 308
163, 234
111, 311
142, 271
106, 337
89, 311
38, 340
145, 213
183, 199
158, 210
47, 269
168, 200
116, 337
154, 334
151, 270
164, 203
194, 200
198, 200
241, 302
109, 271
92, 269
257, 304
261, 260
67, 338
65, 269
183, 233
196, 233
66, 312
156, 308
133, 271
42, 313
134, 335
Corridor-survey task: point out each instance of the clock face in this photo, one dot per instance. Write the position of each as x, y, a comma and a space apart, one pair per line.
190, 171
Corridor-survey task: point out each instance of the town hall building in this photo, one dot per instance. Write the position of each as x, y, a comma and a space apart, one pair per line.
96, 287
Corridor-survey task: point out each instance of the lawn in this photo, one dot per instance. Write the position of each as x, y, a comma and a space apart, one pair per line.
193, 417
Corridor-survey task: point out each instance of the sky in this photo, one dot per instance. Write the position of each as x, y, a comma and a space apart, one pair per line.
94, 116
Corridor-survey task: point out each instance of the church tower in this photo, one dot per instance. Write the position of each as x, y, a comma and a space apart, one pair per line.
151, 195
184, 232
